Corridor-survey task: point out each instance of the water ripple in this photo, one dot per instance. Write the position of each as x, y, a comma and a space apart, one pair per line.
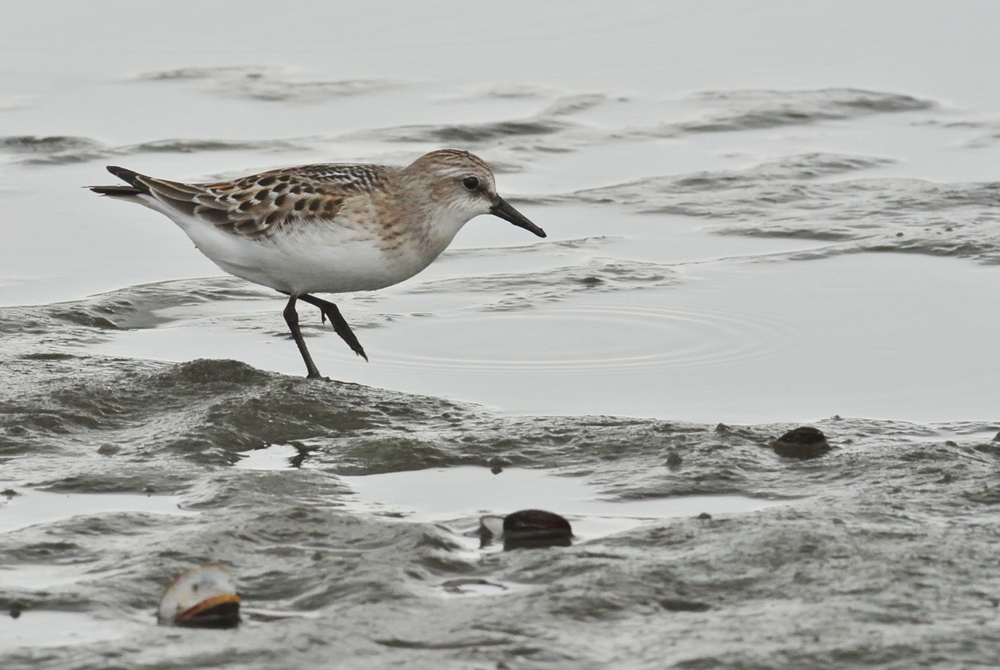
604, 339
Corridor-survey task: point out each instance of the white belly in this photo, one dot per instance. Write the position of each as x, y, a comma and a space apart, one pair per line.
322, 259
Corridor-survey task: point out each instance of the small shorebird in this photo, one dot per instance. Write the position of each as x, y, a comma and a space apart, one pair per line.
328, 228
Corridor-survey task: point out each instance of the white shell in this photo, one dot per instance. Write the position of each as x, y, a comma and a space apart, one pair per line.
193, 588
491, 526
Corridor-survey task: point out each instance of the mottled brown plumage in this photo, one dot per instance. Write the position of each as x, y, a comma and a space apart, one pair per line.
262, 204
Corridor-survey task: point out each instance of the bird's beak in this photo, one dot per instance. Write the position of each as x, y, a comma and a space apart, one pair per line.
503, 209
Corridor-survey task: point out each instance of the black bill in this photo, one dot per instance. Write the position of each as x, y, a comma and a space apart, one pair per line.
503, 209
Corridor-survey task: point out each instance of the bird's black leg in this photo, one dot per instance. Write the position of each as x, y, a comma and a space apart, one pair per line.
292, 319
338, 322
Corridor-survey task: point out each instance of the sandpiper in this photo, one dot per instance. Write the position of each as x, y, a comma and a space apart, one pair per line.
327, 228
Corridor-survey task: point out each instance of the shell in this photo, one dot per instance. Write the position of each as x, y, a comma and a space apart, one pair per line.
527, 528
204, 596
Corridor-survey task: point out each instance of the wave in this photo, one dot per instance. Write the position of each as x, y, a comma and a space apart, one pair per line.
553, 129
551, 121
132, 307
989, 130
788, 198
269, 84
519, 290
64, 150
743, 110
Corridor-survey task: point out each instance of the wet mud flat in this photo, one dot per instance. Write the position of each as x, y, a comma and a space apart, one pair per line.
348, 516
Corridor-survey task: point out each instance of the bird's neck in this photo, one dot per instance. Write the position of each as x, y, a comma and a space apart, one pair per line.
430, 222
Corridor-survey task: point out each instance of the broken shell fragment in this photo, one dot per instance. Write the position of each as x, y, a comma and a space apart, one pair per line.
203, 597
528, 528
804, 442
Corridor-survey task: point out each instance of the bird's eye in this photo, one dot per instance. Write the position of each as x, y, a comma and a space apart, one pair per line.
470, 183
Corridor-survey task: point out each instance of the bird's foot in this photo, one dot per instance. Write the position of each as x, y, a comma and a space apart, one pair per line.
330, 311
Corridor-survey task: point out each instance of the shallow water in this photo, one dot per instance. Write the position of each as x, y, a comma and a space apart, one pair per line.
759, 216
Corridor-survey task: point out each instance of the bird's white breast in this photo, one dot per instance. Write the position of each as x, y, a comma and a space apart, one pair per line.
316, 257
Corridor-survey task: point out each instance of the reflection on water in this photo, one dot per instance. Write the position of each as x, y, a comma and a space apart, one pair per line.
34, 630
39, 507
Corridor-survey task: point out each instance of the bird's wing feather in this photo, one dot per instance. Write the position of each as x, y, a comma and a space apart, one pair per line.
263, 204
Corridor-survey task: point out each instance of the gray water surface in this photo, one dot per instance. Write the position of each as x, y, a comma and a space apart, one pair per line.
760, 215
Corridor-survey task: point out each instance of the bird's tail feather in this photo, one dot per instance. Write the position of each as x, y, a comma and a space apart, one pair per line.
135, 186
